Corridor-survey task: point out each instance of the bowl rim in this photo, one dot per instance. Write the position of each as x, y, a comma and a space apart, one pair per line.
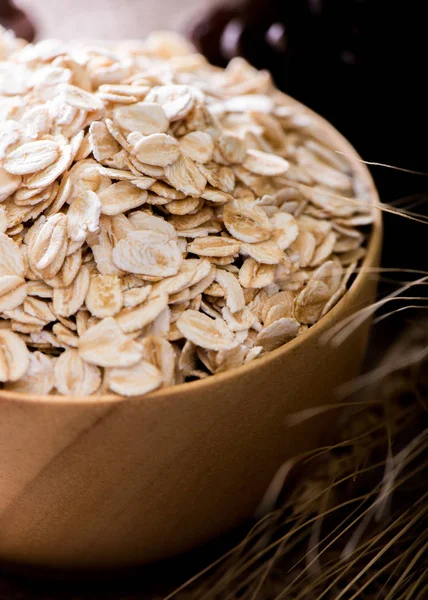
373, 249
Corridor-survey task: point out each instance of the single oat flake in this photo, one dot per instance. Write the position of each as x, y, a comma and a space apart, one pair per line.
161, 220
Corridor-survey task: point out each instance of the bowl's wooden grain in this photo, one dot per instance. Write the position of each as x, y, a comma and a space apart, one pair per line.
88, 482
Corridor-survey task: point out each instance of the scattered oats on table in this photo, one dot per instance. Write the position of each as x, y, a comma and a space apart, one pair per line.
160, 219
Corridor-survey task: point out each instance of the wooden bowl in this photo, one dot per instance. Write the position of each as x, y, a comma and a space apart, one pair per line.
90, 483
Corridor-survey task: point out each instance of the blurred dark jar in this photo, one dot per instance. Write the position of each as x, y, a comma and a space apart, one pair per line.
11, 17
360, 63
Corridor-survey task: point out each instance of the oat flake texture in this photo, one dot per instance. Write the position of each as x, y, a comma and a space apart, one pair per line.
161, 220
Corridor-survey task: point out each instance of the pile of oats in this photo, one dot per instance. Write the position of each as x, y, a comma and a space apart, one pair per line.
161, 220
